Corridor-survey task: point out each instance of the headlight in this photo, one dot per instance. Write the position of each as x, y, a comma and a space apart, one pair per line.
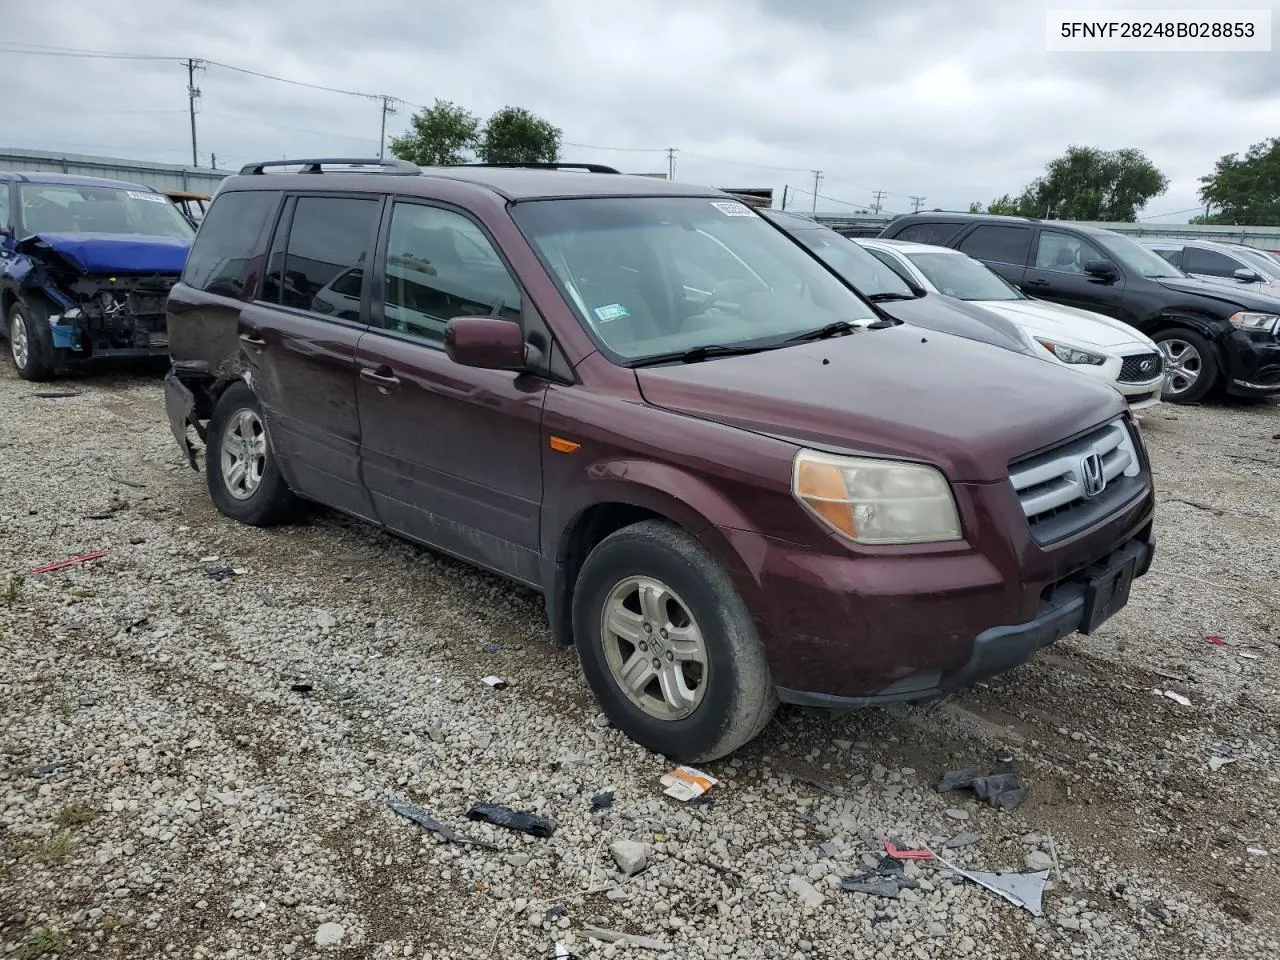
1069, 354
1261, 322
876, 501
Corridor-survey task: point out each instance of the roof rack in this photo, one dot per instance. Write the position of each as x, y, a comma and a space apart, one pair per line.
387, 165
589, 167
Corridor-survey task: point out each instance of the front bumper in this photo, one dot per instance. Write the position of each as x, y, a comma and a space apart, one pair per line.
1079, 604
1252, 364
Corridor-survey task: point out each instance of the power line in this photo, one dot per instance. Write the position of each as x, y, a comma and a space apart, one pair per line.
1171, 213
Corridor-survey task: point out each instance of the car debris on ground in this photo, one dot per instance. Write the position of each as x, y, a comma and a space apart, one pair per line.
69, 562
1021, 889
687, 784
445, 832
1002, 788
887, 879
518, 820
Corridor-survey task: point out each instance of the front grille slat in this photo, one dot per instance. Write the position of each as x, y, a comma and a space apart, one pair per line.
1052, 485
1132, 368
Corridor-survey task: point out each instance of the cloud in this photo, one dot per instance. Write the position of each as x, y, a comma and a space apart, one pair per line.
952, 102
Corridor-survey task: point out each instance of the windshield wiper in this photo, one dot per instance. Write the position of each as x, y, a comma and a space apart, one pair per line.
704, 352
883, 297
839, 328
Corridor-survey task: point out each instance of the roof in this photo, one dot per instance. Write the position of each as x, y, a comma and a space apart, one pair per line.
512, 183
73, 180
935, 216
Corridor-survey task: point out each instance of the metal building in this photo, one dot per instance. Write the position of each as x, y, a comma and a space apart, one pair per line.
162, 176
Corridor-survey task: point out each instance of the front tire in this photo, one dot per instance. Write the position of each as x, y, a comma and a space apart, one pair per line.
668, 646
30, 343
240, 467
1191, 366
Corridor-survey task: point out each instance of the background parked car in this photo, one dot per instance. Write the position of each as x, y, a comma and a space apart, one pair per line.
1098, 346
1212, 335
1233, 264
901, 297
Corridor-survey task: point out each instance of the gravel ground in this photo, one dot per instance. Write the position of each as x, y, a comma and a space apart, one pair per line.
199, 767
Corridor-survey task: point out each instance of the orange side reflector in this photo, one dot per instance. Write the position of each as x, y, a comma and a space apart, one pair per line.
561, 445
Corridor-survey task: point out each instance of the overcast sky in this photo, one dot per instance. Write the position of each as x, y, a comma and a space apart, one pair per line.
953, 101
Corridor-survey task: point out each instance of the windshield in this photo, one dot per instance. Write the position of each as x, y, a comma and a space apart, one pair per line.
962, 277
859, 269
1260, 262
652, 276
1138, 258
67, 208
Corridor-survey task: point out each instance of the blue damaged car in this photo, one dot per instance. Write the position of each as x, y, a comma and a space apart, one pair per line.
85, 269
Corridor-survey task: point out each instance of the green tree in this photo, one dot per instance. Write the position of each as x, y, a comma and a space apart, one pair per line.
1005, 206
439, 135
1245, 190
1086, 183
514, 135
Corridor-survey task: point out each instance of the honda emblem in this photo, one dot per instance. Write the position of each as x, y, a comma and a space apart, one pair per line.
1091, 475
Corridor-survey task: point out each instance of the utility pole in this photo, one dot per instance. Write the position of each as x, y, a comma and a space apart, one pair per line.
213, 161
193, 94
388, 107
785, 188
817, 178
671, 163
916, 203
875, 205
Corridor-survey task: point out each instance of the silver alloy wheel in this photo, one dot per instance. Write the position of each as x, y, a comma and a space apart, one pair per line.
1182, 366
244, 454
654, 648
18, 341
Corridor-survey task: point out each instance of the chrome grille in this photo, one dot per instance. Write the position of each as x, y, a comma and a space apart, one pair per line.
1078, 483
1141, 367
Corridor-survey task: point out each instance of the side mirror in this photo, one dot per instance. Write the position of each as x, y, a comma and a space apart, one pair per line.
489, 343
1102, 269
1245, 275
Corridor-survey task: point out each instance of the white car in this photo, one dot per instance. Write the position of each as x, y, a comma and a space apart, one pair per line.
1091, 343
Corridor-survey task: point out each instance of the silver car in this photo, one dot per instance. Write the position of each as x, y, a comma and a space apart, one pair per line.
1233, 264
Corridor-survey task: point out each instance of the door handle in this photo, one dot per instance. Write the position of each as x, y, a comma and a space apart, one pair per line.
1037, 283
253, 340
382, 376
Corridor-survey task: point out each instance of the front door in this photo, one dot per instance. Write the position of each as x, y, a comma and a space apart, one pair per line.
452, 455
1057, 274
299, 339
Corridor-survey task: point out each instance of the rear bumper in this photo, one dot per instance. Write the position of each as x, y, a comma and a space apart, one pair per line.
1071, 607
180, 407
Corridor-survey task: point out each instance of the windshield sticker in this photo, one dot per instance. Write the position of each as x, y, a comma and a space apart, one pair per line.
614, 311
156, 197
731, 209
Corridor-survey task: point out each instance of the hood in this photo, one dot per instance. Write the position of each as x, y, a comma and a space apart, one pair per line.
1245, 297
1083, 327
943, 314
113, 253
895, 392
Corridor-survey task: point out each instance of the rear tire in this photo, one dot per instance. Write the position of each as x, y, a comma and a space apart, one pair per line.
240, 467
30, 342
699, 682
1191, 366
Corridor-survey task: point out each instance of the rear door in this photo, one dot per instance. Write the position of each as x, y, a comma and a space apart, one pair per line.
1001, 247
1057, 274
452, 455
299, 340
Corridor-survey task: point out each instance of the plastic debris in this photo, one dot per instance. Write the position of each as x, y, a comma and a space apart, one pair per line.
1217, 763
69, 562
1175, 697
302, 688
56, 394
222, 573
627, 939
1216, 640
501, 816
496, 682
1002, 788
562, 951
423, 819
897, 854
685, 783
885, 880
493, 648
602, 801
555, 913
1024, 890
1257, 852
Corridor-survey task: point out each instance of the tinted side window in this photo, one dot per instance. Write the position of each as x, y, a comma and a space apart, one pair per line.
1065, 253
1172, 254
1210, 263
227, 240
939, 234
441, 265
328, 247
1001, 244
4, 203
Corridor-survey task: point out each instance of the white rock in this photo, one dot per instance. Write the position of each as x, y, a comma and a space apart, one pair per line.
630, 856
803, 889
330, 934
1038, 860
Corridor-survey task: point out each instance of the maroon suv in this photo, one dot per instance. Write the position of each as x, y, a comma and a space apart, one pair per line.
646, 401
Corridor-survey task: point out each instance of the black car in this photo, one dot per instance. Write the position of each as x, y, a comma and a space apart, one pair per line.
894, 295
1211, 335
